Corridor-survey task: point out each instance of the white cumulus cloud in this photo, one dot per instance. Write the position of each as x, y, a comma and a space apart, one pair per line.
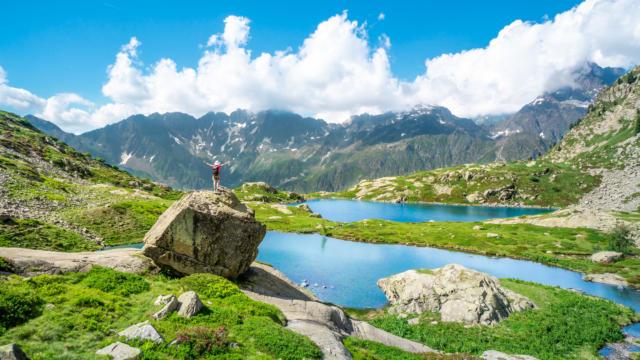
337, 71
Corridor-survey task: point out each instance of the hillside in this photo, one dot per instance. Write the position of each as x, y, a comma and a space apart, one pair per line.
53, 197
593, 173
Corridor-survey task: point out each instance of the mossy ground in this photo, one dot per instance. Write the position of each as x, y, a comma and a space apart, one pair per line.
563, 247
89, 309
566, 325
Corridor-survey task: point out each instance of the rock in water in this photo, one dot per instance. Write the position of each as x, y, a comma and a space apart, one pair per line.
120, 351
12, 352
205, 232
457, 293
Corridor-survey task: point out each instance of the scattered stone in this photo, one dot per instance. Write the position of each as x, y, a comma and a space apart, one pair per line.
497, 355
474, 197
170, 306
434, 323
457, 293
304, 207
414, 321
275, 217
190, 304
478, 227
143, 331
205, 232
547, 234
163, 299
607, 278
261, 184
12, 352
605, 257
120, 351
315, 215
492, 235
49, 306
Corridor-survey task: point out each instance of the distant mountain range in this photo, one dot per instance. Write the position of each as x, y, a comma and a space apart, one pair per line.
304, 154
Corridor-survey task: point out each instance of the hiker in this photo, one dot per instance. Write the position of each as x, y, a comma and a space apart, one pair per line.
216, 167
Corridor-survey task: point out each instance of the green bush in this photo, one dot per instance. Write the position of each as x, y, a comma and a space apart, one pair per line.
202, 340
620, 239
111, 281
6, 265
17, 305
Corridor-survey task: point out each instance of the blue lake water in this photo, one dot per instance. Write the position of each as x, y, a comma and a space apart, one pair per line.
349, 270
357, 210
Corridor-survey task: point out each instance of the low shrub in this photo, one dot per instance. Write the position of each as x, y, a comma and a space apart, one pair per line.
17, 305
620, 239
115, 282
203, 340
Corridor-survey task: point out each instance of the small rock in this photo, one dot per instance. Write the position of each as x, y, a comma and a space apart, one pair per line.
549, 252
315, 215
304, 207
120, 351
497, 355
606, 278
434, 323
170, 306
143, 331
12, 352
324, 286
49, 306
492, 235
478, 227
414, 321
547, 234
234, 345
163, 299
605, 257
190, 304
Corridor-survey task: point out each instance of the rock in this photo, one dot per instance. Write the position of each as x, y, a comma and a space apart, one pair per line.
605, 257
414, 321
315, 215
261, 185
162, 186
147, 187
190, 304
53, 262
12, 352
120, 351
607, 278
478, 227
49, 306
492, 235
304, 207
457, 293
324, 324
474, 197
497, 355
282, 208
142, 331
171, 305
163, 299
205, 232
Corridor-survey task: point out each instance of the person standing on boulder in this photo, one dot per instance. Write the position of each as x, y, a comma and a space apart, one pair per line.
216, 167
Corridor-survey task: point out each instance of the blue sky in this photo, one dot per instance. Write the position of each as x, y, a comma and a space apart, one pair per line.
50, 48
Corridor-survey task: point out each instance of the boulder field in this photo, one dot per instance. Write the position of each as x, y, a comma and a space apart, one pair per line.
457, 293
205, 232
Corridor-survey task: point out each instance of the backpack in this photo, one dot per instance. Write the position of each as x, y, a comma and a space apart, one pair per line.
216, 171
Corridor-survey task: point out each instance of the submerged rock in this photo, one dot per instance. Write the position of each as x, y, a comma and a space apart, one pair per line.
120, 351
457, 293
205, 232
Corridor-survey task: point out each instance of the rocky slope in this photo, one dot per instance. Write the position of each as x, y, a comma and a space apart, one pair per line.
55, 197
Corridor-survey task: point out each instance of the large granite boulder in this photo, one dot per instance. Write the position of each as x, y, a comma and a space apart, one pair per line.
12, 352
457, 293
205, 232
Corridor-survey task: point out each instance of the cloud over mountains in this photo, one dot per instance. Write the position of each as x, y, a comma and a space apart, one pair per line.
337, 72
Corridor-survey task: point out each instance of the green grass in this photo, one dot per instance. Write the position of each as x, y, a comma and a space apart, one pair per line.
34, 234
87, 314
252, 192
370, 350
121, 222
563, 247
567, 325
541, 184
